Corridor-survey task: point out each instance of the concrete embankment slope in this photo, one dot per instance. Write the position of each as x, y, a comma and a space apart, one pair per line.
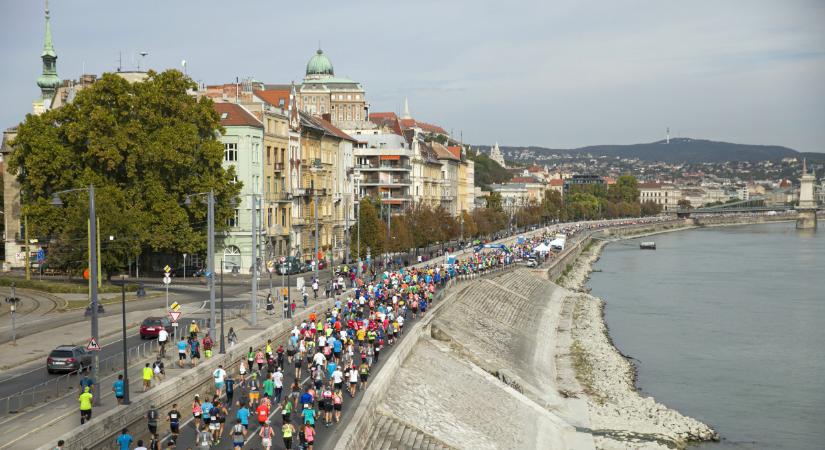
478, 374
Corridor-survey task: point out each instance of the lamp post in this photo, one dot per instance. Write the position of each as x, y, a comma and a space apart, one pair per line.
223, 346
93, 275
357, 200
254, 314
123, 284
13, 301
210, 250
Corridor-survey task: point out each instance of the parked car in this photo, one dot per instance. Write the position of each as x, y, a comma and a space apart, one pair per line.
532, 263
291, 266
68, 358
151, 326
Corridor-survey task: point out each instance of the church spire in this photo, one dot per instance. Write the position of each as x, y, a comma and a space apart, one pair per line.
406, 114
48, 81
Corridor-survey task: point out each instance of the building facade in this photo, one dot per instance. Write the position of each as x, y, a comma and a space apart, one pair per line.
242, 142
385, 164
321, 92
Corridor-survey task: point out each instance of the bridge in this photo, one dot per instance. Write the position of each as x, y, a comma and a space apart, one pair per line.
752, 205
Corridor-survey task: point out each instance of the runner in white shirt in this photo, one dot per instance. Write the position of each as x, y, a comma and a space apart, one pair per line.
163, 338
219, 375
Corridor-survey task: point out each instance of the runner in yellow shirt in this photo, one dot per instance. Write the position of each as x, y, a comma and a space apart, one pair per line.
85, 405
148, 374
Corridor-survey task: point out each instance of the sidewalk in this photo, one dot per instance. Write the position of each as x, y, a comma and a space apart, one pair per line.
62, 416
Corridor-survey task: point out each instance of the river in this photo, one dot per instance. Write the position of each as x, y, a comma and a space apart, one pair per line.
727, 325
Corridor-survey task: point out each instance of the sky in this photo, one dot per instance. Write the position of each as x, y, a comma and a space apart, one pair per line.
558, 74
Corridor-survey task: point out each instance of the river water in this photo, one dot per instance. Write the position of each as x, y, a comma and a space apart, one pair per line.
728, 326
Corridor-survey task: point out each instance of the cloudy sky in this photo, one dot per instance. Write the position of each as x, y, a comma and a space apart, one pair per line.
552, 73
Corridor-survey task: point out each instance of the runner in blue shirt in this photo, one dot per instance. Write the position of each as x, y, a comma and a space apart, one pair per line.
124, 440
243, 416
117, 388
181, 352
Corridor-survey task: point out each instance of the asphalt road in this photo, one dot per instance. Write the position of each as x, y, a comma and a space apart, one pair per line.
15, 381
325, 437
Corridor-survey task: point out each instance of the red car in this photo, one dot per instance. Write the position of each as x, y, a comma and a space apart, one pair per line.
151, 326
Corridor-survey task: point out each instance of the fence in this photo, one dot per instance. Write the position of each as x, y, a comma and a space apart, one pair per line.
56, 388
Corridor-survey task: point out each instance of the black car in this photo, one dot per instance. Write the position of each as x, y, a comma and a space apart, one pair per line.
191, 271
68, 358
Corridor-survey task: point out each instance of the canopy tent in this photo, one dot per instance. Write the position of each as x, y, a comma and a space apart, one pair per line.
542, 248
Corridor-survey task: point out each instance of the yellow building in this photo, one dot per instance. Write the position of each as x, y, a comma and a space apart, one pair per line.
277, 196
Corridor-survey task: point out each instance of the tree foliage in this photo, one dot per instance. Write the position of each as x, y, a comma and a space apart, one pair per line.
487, 171
144, 146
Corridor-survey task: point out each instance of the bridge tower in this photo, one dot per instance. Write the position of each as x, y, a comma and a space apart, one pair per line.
806, 211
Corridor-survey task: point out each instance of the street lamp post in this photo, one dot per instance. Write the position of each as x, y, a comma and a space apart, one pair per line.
93, 275
123, 284
223, 347
210, 250
315, 213
254, 313
357, 201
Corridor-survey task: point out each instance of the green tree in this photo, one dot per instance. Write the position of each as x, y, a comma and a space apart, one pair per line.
684, 204
373, 230
144, 146
650, 208
494, 201
626, 189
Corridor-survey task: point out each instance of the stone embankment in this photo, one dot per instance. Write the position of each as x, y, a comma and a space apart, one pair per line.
620, 417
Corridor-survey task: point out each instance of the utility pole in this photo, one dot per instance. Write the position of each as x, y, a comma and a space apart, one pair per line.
254, 314
210, 264
93, 274
358, 217
28, 247
315, 206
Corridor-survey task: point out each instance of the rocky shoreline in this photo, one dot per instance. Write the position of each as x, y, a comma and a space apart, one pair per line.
620, 418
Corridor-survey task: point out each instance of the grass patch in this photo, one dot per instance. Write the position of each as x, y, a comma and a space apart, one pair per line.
61, 287
584, 371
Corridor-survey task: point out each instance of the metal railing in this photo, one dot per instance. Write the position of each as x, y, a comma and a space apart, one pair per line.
56, 388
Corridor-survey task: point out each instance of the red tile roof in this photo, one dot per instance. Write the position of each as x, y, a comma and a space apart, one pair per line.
535, 169
442, 152
234, 115
523, 180
455, 150
278, 98
335, 131
556, 182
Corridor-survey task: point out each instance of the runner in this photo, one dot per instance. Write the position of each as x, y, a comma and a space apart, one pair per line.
194, 351
364, 373
118, 389
163, 337
287, 430
204, 439
266, 433
85, 405
181, 352
220, 376
197, 411
159, 370
124, 441
173, 417
207, 346
263, 412
148, 375
242, 415
152, 420
238, 435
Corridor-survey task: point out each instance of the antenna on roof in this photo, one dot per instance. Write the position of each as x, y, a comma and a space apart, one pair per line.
119, 60
142, 57
668, 135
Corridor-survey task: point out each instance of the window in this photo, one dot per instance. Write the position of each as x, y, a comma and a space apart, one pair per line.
268, 183
268, 149
230, 151
235, 220
283, 217
269, 217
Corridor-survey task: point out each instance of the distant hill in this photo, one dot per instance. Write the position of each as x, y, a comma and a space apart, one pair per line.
678, 150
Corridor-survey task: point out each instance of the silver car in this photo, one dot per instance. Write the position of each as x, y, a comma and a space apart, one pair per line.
68, 358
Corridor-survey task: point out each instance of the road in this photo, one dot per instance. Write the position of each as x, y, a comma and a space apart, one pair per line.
325, 437
235, 288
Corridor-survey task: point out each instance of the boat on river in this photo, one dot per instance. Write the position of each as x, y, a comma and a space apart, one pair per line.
650, 245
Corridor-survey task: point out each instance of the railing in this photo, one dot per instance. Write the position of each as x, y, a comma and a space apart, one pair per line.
59, 387
279, 196
278, 166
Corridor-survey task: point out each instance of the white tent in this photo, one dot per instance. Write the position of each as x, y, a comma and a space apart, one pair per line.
542, 248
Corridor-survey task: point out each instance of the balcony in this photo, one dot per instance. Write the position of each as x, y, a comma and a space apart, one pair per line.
279, 197
278, 166
383, 166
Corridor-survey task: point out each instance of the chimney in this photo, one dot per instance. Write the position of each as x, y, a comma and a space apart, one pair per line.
327, 117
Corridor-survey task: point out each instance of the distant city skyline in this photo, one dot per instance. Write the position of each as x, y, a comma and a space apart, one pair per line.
560, 75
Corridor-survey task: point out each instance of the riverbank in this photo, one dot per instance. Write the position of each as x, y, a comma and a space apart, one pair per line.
620, 417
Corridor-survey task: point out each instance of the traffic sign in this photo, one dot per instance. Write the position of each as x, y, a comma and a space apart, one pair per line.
175, 324
92, 346
175, 306
167, 269
283, 259
175, 315
167, 280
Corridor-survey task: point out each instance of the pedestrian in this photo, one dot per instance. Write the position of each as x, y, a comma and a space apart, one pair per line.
229, 388
154, 442
193, 330
85, 405
163, 337
270, 306
315, 288
278, 380
140, 445
194, 351
242, 415
148, 375
232, 337
305, 295
309, 435
207, 346
159, 370
124, 441
181, 352
86, 382
266, 433
173, 417
118, 389
197, 411
61, 443
152, 419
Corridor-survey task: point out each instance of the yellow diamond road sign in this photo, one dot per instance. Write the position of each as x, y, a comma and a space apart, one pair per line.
175, 306
167, 269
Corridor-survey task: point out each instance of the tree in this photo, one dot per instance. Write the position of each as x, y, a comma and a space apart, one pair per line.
684, 204
551, 205
487, 171
626, 189
494, 201
144, 146
373, 230
468, 224
650, 208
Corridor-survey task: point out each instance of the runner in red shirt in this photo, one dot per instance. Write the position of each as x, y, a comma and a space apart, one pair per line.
263, 412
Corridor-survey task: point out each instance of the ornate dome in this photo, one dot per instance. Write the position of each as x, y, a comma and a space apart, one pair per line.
319, 66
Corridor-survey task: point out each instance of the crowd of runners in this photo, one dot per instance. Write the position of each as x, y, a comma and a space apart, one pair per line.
324, 363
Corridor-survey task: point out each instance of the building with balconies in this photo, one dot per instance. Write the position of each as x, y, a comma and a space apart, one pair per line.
384, 162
